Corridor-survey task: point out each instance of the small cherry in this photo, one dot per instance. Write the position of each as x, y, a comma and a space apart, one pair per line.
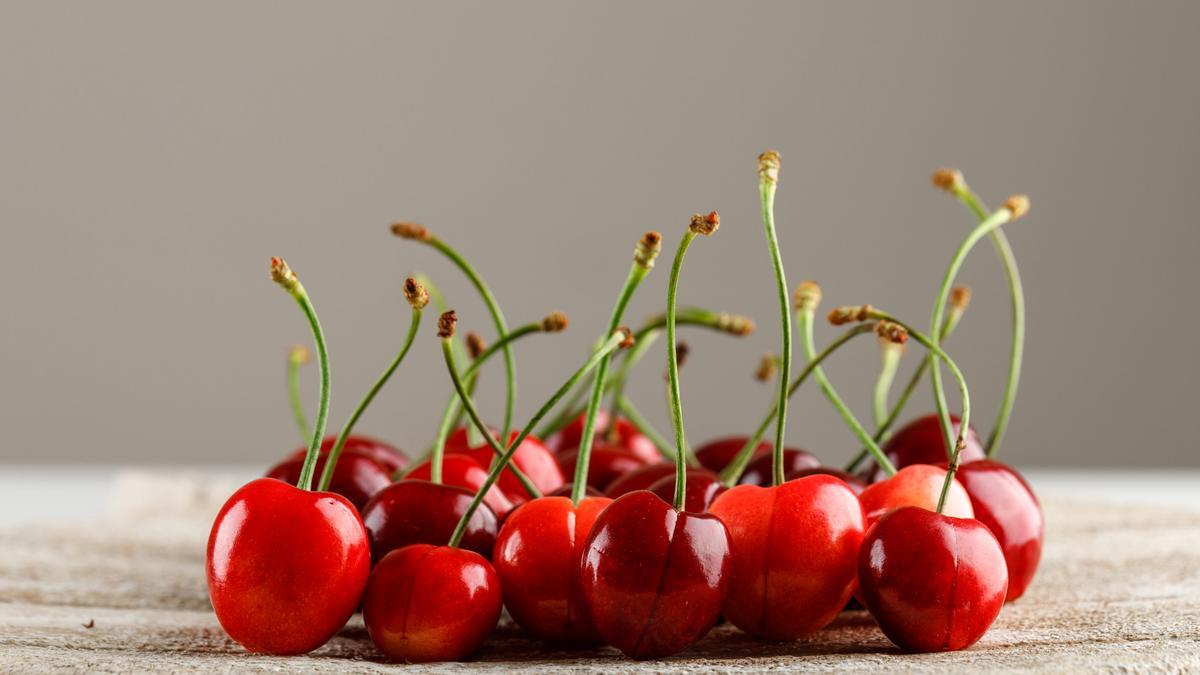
758, 471
915, 485
1004, 502
465, 472
922, 442
607, 464
715, 455
624, 435
421, 512
853, 482
357, 477
703, 486
640, 479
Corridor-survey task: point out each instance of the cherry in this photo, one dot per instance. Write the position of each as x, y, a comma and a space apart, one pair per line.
758, 471
795, 552
716, 455
285, 566
565, 491
606, 465
933, 582
703, 486
391, 457
431, 603
640, 479
537, 557
1003, 501
917, 485
653, 578
532, 458
921, 442
853, 482
463, 471
357, 476
421, 512
625, 436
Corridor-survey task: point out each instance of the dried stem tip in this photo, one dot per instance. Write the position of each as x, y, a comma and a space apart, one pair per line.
892, 332
446, 324
411, 231
960, 297
554, 322
950, 180
283, 275
626, 337
850, 314
299, 354
647, 249
768, 166
415, 293
682, 349
476, 345
766, 367
807, 296
735, 324
705, 225
1018, 204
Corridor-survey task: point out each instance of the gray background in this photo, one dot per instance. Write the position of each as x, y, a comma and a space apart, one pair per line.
153, 155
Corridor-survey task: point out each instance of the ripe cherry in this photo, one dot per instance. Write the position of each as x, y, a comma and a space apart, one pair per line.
356, 477
625, 436
606, 465
758, 471
855, 483
921, 442
420, 512
640, 479
703, 486
532, 458
717, 454
933, 582
463, 471
795, 553
917, 485
1003, 501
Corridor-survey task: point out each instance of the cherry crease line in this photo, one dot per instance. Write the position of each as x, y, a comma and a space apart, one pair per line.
662, 581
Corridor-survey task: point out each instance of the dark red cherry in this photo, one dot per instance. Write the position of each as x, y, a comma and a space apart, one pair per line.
917, 485
537, 557
465, 472
795, 554
716, 455
607, 464
628, 437
934, 583
921, 442
286, 567
640, 479
356, 477
653, 578
1004, 502
419, 512
391, 457
855, 483
703, 486
431, 603
758, 471
565, 491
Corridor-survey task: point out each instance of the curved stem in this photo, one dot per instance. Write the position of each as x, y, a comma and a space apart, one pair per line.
673, 372
297, 357
731, 473
889, 362
627, 408
336, 451
637, 273
505, 459
767, 192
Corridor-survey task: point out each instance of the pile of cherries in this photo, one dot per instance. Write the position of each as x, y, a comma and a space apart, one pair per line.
608, 533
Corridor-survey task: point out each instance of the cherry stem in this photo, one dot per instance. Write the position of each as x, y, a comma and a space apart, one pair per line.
676, 398
637, 272
989, 224
731, 473
768, 171
297, 357
889, 363
418, 233
283, 275
336, 451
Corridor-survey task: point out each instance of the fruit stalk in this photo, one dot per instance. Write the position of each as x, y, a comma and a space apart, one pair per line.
298, 356
768, 173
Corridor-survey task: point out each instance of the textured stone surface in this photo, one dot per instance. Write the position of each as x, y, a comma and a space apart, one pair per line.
1119, 589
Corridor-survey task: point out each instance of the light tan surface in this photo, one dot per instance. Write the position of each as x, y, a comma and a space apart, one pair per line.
1119, 587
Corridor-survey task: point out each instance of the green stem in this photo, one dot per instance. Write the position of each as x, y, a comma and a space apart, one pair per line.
767, 193
336, 451
890, 354
676, 400
297, 357
730, 474
593, 361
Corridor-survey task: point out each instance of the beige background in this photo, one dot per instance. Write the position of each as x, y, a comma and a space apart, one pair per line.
153, 155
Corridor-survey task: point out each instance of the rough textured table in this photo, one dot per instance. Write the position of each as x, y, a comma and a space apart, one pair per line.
1119, 588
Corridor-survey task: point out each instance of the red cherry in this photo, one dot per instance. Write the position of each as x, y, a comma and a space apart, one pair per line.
356, 477
795, 554
537, 557
855, 483
431, 603
1003, 501
391, 457
934, 583
758, 471
703, 486
640, 479
463, 471
917, 485
653, 578
606, 465
532, 458
286, 567
628, 437
565, 491
921, 442
716, 455
421, 512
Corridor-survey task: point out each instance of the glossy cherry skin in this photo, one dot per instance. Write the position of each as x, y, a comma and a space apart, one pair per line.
391, 457
640, 479
628, 437
356, 477
917, 485
420, 512
795, 554
463, 471
703, 486
934, 583
855, 483
286, 567
1003, 501
758, 471
921, 442
431, 603
653, 578
532, 458
606, 465
715, 455
537, 557
565, 491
